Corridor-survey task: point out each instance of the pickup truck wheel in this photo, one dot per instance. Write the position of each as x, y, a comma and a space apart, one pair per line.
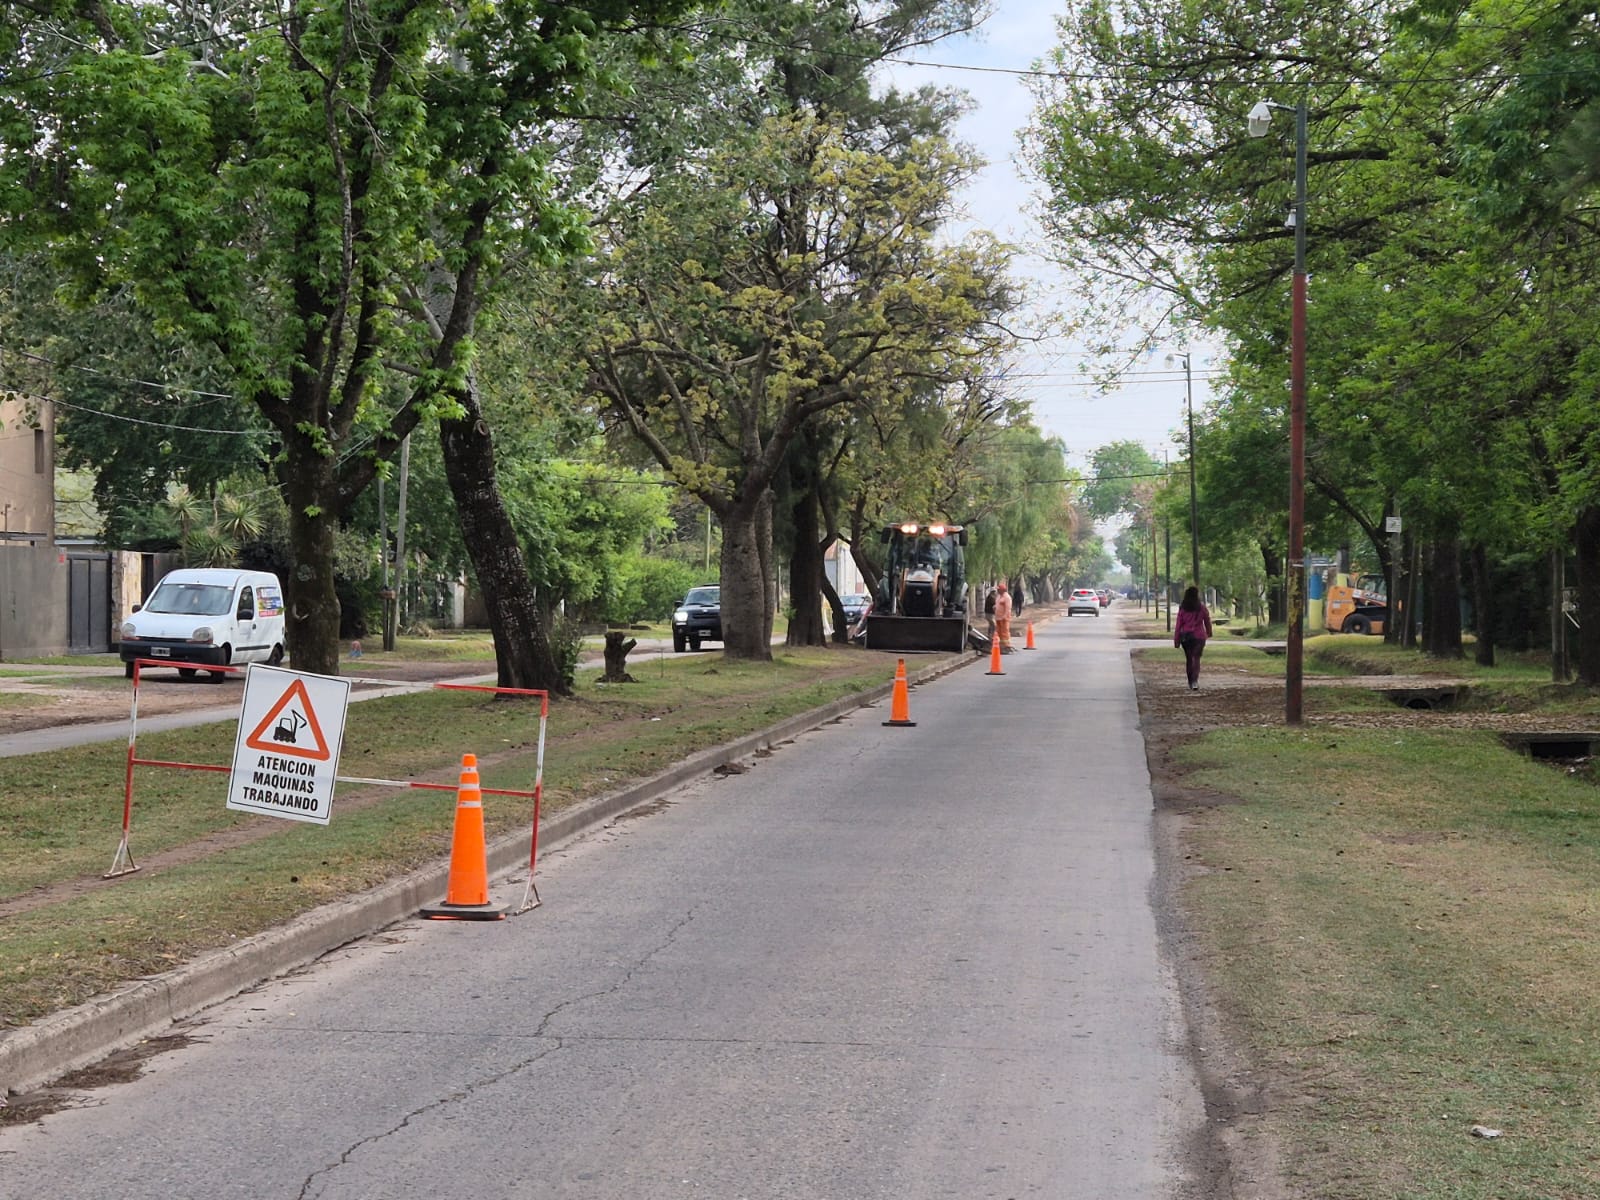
127, 670
187, 672
694, 641
678, 643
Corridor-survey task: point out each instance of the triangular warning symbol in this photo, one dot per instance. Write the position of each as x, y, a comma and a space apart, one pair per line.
296, 723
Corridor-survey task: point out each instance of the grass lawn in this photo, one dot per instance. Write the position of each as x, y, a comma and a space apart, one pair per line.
1399, 926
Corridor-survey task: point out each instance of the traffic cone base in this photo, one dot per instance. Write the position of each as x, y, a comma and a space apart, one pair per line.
467, 897
900, 706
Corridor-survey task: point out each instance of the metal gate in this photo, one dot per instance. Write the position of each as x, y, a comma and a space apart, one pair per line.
88, 603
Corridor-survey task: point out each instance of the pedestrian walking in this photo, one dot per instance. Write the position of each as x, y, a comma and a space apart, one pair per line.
1002, 616
1190, 632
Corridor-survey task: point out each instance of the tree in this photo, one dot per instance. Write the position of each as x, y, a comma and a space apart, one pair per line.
323, 197
1448, 238
771, 285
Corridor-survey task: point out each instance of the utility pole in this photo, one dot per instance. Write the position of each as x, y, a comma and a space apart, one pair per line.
387, 592
400, 532
1558, 639
1397, 615
1168, 526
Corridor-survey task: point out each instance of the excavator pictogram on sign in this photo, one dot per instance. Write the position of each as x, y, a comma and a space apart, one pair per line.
293, 715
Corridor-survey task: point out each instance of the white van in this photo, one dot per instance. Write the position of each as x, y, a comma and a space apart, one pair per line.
207, 616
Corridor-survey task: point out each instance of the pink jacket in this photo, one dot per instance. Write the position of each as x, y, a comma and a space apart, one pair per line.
1196, 621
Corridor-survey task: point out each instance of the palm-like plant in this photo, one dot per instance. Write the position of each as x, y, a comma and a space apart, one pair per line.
238, 517
209, 546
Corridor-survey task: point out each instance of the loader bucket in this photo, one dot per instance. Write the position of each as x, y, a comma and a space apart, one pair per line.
916, 633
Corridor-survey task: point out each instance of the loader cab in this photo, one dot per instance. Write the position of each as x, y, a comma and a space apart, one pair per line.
925, 574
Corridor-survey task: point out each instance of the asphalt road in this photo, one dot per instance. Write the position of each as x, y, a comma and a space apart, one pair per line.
885, 962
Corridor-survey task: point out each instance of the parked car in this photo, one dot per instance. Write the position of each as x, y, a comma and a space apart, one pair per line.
207, 616
697, 618
1083, 600
856, 607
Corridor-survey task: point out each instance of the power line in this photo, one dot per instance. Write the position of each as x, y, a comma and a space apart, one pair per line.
138, 420
164, 387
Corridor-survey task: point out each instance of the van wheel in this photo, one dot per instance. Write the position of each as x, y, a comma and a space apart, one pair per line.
220, 676
276, 657
187, 672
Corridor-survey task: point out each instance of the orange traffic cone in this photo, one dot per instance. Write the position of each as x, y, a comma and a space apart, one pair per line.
994, 657
900, 705
467, 898
1030, 645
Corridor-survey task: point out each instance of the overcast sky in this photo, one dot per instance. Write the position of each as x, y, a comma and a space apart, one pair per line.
1054, 374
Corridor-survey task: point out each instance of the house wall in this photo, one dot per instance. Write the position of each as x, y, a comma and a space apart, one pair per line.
27, 469
33, 584
35, 568
33, 600
840, 565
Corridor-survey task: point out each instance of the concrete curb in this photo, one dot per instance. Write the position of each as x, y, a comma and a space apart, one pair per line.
77, 1037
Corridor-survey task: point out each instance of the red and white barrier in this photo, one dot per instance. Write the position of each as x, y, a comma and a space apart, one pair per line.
122, 863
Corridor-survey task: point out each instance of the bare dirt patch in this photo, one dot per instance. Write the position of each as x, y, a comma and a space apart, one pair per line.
88, 696
68, 1091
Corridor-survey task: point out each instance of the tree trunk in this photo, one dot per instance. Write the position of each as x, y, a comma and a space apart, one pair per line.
769, 572
806, 571
1442, 625
1586, 536
1482, 605
617, 657
861, 538
746, 613
840, 619
1277, 600
311, 623
523, 658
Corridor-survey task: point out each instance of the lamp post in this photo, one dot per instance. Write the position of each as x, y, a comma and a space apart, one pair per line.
1260, 120
1194, 508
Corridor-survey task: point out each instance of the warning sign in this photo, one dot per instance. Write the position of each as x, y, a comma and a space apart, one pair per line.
286, 758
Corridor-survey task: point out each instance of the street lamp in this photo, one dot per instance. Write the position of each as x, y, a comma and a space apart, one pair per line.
1260, 120
1194, 509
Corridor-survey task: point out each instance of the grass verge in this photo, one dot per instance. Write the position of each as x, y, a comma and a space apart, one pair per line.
211, 875
1399, 926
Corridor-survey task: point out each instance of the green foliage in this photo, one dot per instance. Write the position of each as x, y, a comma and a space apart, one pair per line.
566, 646
320, 198
1450, 244
1125, 476
648, 588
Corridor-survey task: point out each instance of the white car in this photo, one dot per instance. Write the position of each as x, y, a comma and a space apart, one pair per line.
1083, 600
201, 617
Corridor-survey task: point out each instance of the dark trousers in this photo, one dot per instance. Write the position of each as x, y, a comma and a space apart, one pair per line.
1192, 650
